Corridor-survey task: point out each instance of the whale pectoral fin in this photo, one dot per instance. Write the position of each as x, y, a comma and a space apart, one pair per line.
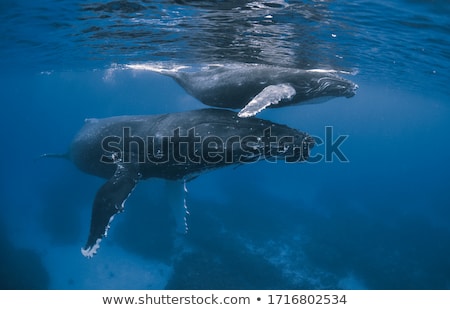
109, 201
271, 94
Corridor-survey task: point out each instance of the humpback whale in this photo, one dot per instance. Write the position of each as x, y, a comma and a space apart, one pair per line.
254, 87
127, 149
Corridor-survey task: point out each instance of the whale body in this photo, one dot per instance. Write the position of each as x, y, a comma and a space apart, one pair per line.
127, 149
254, 87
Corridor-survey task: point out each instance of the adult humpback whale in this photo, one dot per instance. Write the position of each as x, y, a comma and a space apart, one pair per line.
254, 87
127, 149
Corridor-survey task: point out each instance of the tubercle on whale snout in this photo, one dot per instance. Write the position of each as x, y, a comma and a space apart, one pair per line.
335, 85
351, 91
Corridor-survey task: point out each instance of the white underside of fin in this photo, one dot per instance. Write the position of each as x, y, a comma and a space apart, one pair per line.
272, 94
177, 201
90, 252
186, 210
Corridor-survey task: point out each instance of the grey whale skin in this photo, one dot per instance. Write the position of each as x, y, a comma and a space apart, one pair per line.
124, 165
254, 87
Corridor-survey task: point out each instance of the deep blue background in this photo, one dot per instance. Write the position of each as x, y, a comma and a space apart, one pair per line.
380, 221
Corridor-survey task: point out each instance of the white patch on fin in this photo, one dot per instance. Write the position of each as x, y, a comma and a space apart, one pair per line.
185, 208
176, 200
271, 94
91, 251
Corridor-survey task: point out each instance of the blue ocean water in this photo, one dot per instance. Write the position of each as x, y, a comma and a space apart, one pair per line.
379, 221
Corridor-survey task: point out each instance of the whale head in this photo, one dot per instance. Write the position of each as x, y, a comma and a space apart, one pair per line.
332, 85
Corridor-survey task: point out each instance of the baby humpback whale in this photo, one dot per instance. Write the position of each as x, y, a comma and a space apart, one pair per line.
127, 149
254, 87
